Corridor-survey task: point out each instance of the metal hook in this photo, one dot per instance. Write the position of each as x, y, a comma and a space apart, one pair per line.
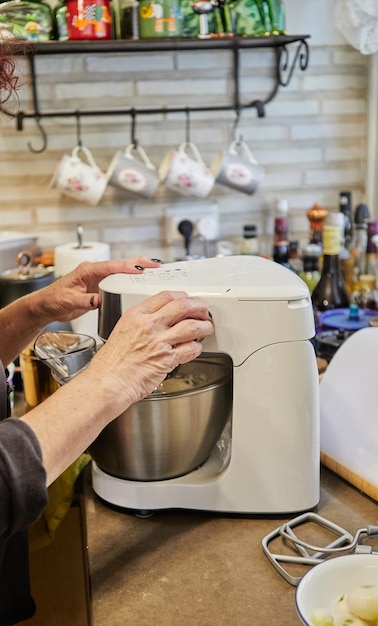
43, 135
187, 125
134, 141
78, 129
260, 107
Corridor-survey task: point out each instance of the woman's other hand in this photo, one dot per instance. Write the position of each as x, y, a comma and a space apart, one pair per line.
76, 293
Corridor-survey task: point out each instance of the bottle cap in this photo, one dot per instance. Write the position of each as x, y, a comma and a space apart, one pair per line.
282, 206
335, 219
250, 230
361, 214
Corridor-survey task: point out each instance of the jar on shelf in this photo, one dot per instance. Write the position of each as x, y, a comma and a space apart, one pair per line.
125, 19
159, 18
88, 19
28, 20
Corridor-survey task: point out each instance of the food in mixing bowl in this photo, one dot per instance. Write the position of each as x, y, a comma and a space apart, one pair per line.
357, 608
182, 383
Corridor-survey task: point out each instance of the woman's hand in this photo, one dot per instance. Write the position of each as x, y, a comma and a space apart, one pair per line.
148, 342
76, 293
67, 298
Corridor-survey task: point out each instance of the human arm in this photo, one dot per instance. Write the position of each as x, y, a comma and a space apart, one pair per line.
147, 343
65, 299
22, 477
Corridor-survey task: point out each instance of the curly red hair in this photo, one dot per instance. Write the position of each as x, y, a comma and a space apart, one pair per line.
8, 80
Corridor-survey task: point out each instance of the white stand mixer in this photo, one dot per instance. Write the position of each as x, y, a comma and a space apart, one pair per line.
263, 320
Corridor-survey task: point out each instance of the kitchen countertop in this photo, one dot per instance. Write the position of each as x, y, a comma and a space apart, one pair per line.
199, 569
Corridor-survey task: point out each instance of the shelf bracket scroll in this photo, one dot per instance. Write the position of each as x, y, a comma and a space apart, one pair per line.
284, 69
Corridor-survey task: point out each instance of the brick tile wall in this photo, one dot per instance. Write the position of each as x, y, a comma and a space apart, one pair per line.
312, 141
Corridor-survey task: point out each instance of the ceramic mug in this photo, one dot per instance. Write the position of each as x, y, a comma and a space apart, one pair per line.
236, 168
78, 179
131, 174
184, 174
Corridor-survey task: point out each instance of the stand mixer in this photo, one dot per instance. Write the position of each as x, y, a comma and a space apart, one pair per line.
267, 459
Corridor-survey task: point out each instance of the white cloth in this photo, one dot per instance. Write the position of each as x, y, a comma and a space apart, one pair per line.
357, 20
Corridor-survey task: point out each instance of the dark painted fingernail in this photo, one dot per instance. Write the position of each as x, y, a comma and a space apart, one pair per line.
92, 301
157, 260
139, 267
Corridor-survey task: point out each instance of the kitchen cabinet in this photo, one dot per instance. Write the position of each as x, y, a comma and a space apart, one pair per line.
59, 575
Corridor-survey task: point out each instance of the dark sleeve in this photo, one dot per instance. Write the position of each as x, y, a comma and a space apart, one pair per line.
23, 492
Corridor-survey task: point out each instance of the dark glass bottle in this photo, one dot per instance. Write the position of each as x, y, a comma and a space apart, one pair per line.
371, 248
330, 292
295, 260
281, 254
310, 273
361, 216
345, 205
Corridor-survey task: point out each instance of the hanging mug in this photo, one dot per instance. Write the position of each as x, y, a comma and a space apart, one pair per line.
184, 174
137, 175
78, 179
237, 168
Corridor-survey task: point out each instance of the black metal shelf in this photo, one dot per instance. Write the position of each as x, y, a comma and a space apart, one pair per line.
285, 62
155, 45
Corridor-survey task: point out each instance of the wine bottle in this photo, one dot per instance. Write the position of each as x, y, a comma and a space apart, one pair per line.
330, 292
346, 209
371, 248
281, 254
361, 216
281, 222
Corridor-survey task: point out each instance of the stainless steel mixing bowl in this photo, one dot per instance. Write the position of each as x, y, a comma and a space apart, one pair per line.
173, 430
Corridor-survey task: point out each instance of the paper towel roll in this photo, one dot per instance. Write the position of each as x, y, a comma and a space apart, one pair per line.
69, 255
66, 258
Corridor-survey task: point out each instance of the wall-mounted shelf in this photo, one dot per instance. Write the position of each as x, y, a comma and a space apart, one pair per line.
290, 51
156, 45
